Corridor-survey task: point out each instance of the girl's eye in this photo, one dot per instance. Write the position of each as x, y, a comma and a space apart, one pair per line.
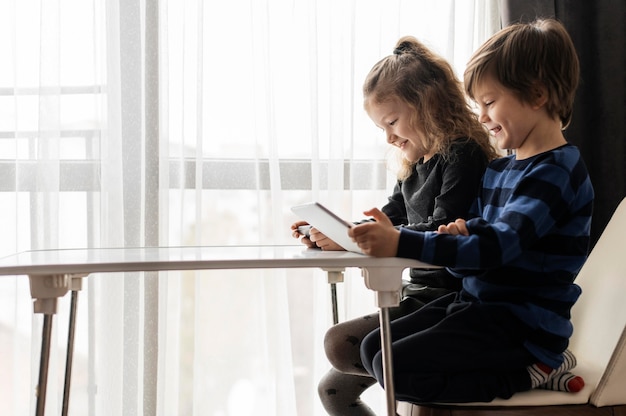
488, 103
391, 123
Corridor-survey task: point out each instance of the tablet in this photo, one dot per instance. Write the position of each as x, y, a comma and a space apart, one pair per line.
328, 223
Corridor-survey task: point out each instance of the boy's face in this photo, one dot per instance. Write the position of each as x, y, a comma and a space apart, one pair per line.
512, 122
393, 116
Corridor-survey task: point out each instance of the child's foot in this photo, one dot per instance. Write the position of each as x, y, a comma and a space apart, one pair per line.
540, 373
564, 382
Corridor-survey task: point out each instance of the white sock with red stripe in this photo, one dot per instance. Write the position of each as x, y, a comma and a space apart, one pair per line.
564, 382
560, 379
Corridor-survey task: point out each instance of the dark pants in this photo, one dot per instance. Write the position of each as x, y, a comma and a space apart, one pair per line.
453, 351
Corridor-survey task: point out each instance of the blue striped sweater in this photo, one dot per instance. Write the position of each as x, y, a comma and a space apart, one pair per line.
529, 237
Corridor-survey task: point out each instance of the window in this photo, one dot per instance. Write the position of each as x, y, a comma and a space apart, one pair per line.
147, 122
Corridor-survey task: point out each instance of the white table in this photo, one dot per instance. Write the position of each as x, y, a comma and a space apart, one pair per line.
54, 273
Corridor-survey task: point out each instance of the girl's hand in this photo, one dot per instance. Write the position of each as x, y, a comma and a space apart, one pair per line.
379, 238
320, 240
457, 227
315, 239
296, 234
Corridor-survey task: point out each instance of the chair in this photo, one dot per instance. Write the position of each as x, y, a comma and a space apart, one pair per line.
598, 342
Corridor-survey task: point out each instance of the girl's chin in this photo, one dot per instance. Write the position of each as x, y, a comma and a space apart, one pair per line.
411, 156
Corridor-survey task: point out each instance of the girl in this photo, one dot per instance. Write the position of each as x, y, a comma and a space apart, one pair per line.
414, 96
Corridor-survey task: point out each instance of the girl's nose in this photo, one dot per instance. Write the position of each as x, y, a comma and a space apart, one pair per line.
390, 137
483, 117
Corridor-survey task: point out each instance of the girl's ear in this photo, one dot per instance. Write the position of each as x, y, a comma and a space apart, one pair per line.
539, 95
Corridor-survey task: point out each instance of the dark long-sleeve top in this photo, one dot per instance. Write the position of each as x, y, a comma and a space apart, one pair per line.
437, 192
527, 242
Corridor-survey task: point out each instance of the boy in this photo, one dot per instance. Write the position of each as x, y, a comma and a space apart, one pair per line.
507, 330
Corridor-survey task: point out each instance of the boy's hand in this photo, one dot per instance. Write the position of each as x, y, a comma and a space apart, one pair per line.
457, 227
379, 238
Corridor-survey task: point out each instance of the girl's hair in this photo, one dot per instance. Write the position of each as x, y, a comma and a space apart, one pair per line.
426, 83
524, 56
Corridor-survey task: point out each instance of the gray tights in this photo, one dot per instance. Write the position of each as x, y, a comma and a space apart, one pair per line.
340, 389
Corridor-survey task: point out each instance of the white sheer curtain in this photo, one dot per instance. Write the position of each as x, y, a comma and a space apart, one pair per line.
142, 122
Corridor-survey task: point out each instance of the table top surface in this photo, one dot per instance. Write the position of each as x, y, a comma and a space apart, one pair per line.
100, 260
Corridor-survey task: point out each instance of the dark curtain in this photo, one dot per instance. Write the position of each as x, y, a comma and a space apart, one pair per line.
597, 128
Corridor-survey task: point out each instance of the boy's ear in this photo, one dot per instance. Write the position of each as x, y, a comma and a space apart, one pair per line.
539, 95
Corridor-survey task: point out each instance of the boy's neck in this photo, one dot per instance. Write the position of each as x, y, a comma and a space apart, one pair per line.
545, 137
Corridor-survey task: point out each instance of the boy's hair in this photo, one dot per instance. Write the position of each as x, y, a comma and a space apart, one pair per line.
426, 83
524, 56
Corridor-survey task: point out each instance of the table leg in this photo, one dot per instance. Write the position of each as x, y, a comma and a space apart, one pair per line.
385, 342
44, 360
45, 290
334, 276
70, 353
387, 282
333, 299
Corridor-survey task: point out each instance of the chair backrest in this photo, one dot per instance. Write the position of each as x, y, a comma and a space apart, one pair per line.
599, 316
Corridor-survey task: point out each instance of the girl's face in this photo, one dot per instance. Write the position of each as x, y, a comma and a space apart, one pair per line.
393, 116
